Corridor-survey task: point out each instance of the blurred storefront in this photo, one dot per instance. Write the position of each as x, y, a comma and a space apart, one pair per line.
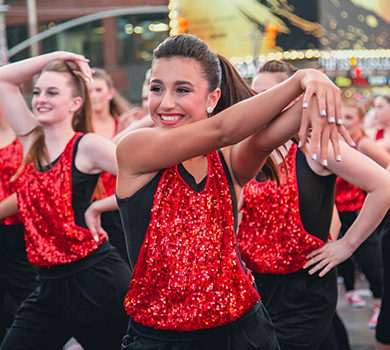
121, 43
348, 39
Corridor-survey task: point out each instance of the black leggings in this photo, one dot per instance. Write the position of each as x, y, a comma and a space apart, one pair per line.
87, 305
368, 257
18, 278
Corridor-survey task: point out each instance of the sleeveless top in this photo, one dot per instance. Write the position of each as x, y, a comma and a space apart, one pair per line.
45, 203
188, 275
10, 160
107, 185
271, 236
349, 197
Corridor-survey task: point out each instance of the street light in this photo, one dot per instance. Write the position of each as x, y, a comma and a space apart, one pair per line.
32, 26
3, 35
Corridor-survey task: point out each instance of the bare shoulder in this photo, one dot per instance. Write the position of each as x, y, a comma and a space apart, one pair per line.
384, 143
93, 142
131, 158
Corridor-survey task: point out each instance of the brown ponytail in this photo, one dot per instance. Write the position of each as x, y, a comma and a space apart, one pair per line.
234, 89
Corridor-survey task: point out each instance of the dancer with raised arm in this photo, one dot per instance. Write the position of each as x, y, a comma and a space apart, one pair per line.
82, 279
177, 197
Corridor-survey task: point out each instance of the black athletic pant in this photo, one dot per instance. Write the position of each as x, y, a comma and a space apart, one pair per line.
18, 278
368, 257
87, 305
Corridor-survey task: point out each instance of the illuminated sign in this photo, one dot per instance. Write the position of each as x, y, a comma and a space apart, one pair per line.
343, 81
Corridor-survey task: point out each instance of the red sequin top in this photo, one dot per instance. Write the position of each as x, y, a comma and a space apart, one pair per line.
188, 275
348, 197
271, 237
379, 134
108, 180
45, 202
10, 160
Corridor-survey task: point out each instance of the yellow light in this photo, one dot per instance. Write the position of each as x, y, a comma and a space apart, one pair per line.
129, 29
309, 54
348, 93
278, 56
173, 23
172, 5
248, 59
138, 30
271, 56
159, 27
173, 15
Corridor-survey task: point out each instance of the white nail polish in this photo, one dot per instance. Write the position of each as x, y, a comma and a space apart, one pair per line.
314, 156
323, 112
305, 105
325, 163
338, 158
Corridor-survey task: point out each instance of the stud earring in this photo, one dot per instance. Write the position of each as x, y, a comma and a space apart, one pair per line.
209, 110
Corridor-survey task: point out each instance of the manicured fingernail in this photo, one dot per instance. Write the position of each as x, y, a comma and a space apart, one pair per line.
299, 144
340, 121
325, 162
338, 158
333, 120
323, 112
353, 144
305, 105
96, 238
314, 156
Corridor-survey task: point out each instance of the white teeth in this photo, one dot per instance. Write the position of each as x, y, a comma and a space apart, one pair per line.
170, 118
43, 109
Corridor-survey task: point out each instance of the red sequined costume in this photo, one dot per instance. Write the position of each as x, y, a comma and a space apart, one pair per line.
274, 240
349, 197
271, 238
10, 160
188, 275
108, 180
43, 195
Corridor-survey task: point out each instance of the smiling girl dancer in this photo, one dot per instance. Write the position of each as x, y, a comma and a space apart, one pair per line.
177, 194
82, 280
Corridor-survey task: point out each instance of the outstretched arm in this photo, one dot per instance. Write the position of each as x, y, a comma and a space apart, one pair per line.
224, 129
249, 155
364, 173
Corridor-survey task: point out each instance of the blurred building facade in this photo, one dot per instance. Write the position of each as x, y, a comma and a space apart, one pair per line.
121, 43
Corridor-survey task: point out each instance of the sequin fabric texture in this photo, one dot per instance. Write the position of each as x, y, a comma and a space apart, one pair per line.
45, 202
348, 197
188, 275
10, 160
271, 238
106, 186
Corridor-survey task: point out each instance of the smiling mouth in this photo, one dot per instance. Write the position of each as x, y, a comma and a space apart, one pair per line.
43, 109
171, 118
